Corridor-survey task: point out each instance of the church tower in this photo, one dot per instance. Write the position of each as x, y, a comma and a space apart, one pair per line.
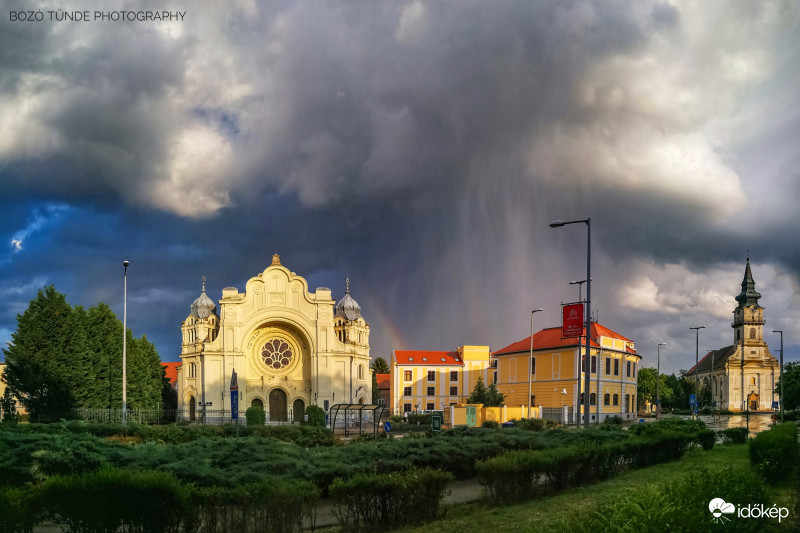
748, 317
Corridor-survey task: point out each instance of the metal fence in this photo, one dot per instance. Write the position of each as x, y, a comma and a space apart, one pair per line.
170, 416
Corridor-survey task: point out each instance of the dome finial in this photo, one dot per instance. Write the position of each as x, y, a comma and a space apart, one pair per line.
276, 259
347, 285
204, 284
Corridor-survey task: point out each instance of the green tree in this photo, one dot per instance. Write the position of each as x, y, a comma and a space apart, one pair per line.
63, 357
8, 406
39, 357
488, 396
791, 385
380, 366
169, 396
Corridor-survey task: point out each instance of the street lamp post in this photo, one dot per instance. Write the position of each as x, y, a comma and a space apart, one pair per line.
658, 379
530, 363
696, 361
125, 344
588, 332
781, 375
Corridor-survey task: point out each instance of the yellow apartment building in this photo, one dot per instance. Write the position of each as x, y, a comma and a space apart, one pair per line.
556, 385
423, 380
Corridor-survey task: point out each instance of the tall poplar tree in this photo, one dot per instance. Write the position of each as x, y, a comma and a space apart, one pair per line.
38, 357
62, 357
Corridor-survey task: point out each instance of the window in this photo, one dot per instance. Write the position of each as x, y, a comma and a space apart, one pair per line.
406, 407
634, 369
616, 368
431, 375
594, 364
453, 391
454, 375
325, 405
494, 377
752, 333
429, 406
533, 366
407, 375
628, 368
627, 402
360, 371
431, 391
192, 370
752, 381
608, 366
381, 401
607, 399
616, 399
533, 399
406, 391
593, 399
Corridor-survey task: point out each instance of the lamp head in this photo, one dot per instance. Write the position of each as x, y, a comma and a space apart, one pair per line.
537, 310
777, 331
126, 263
556, 223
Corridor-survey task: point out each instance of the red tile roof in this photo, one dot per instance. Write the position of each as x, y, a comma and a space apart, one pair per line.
551, 338
383, 380
427, 358
172, 372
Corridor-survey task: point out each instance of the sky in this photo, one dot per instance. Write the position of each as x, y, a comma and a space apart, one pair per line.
420, 149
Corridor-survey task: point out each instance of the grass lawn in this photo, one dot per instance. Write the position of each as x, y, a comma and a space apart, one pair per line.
549, 514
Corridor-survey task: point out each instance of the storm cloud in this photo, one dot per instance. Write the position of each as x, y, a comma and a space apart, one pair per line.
420, 148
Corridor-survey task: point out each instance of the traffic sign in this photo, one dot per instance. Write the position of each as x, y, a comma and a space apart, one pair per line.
692, 399
234, 396
387, 427
436, 422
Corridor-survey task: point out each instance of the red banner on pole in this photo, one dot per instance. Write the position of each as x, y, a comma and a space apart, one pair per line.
572, 320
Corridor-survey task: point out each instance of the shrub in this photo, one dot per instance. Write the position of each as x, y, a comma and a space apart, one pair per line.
774, 453
683, 504
421, 419
384, 501
102, 501
490, 424
316, 416
529, 424
733, 435
16, 510
255, 416
396, 419
706, 438
264, 506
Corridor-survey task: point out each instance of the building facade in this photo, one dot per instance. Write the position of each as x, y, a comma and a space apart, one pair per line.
290, 348
742, 383
556, 382
431, 380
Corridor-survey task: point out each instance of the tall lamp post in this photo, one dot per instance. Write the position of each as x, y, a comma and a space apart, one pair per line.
658, 379
696, 361
530, 362
125, 344
781, 376
587, 379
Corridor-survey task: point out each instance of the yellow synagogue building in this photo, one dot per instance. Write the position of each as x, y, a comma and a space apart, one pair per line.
556, 384
290, 348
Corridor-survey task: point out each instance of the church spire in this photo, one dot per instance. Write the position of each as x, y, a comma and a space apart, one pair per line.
748, 296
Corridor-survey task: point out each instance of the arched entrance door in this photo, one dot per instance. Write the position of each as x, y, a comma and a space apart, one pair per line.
277, 406
257, 403
192, 408
298, 410
752, 400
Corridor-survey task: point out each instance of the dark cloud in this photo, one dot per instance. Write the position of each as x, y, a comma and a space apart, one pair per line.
420, 149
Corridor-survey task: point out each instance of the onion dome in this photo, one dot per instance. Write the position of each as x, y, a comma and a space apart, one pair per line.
347, 307
204, 306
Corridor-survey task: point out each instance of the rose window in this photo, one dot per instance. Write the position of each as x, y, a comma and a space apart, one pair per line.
276, 354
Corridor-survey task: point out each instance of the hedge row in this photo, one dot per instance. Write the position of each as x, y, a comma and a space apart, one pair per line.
148, 501
521, 475
384, 501
775, 453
